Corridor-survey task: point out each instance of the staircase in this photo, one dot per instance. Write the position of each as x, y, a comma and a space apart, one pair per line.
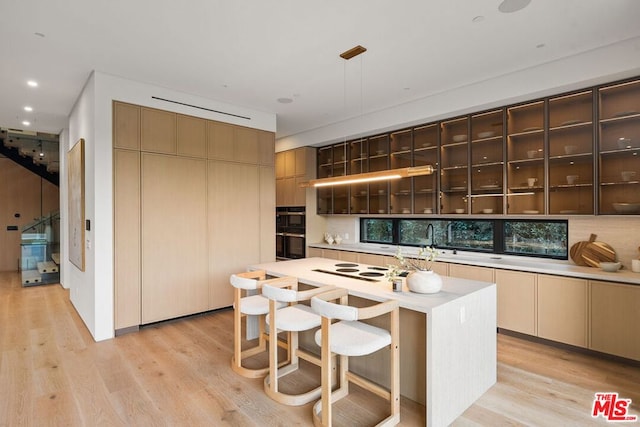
35, 151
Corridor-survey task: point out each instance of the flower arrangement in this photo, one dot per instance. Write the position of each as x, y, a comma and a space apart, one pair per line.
424, 261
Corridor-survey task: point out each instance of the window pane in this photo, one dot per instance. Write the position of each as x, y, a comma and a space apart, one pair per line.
377, 230
475, 235
470, 234
540, 238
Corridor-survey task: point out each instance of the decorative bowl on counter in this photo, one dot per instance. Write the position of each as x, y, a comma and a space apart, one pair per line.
610, 266
626, 207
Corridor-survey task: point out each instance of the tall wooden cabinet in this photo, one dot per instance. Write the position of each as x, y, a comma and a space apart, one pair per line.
292, 168
194, 202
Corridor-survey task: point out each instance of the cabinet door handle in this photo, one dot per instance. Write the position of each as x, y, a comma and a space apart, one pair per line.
293, 235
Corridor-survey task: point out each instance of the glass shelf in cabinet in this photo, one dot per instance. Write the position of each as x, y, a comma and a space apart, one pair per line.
495, 139
621, 151
608, 183
570, 186
621, 116
534, 160
532, 131
571, 125
454, 167
525, 189
487, 163
454, 144
576, 156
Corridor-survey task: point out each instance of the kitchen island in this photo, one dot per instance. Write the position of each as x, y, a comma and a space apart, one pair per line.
449, 337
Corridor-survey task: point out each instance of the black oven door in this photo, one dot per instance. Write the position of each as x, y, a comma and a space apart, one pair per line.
294, 245
281, 252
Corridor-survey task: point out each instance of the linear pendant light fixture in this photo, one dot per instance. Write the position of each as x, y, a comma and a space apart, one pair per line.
372, 176
368, 176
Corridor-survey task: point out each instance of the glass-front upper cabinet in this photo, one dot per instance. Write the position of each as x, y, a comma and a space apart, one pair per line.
400, 157
620, 148
379, 161
487, 162
425, 152
359, 163
525, 159
332, 161
571, 154
454, 172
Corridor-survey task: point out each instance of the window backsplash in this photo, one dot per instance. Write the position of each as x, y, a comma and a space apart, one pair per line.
622, 233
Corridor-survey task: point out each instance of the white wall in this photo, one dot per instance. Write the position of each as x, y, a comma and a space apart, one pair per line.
601, 65
91, 119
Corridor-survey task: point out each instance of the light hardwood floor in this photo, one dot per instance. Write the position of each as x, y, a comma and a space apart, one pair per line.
177, 374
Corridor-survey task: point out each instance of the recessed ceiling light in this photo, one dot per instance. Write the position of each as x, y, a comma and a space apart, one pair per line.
509, 6
26, 123
541, 45
285, 100
477, 19
39, 34
32, 83
27, 108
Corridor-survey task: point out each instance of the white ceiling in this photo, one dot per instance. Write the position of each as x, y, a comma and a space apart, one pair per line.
252, 52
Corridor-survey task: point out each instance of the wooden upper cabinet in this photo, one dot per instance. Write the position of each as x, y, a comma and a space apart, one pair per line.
192, 136
158, 131
220, 141
246, 145
290, 166
126, 126
266, 147
280, 159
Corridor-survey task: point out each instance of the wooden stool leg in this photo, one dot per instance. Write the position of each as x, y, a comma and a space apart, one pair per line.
273, 349
237, 330
325, 373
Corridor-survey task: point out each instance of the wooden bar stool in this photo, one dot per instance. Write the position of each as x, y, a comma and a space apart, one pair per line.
350, 337
292, 319
250, 305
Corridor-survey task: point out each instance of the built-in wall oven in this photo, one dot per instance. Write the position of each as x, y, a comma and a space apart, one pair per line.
290, 232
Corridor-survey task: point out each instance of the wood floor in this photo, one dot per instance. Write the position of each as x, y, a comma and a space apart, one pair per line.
178, 374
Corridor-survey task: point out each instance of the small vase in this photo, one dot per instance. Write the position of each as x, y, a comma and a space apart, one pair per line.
424, 282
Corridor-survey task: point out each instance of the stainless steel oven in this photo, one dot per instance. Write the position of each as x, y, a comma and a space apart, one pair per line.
290, 233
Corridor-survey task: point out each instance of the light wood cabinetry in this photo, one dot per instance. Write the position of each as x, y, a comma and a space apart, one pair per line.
126, 217
174, 247
516, 301
192, 136
614, 320
239, 144
348, 256
371, 259
176, 214
126, 126
220, 141
314, 253
293, 168
158, 131
562, 309
441, 268
471, 272
331, 253
228, 242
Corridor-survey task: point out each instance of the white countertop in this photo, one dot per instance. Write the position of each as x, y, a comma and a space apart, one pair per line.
452, 288
505, 262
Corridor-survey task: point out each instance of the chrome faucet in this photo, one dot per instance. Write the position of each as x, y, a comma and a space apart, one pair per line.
433, 236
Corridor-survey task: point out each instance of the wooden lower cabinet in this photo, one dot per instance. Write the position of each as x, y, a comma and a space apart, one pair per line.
371, 259
314, 252
615, 319
516, 301
471, 272
348, 256
562, 309
331, 253
174, 246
